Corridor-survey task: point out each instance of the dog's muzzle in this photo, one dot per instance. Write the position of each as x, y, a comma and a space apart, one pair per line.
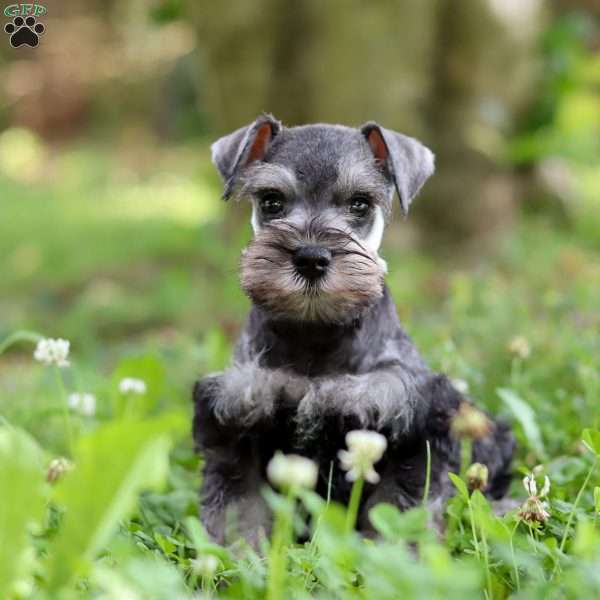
314, 273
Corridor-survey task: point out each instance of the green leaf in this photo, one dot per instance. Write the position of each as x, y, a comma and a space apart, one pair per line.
201, 541
459, 484
525, 416
112, 466
480, 503
165, 544
487, 520
586, 540
396, 525
167, 11
141, 577
332, 539
591, 440
597, 499
17, 337
313, 502
21, 504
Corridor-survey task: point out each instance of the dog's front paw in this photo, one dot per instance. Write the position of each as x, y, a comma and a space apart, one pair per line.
382, 400
247, 395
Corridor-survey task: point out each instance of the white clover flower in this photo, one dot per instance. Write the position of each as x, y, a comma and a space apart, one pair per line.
205, 565
365, 448
52, 352
84, 404
534, 509
292, 471
519, 346
460, 385
130, 385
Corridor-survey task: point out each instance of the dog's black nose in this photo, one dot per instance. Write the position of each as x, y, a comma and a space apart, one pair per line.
311, 261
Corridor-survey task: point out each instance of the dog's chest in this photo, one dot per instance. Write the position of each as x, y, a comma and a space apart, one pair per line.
289, 436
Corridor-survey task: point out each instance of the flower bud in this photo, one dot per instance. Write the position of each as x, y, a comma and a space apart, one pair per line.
131, 385
57, 468
83, 403
205, 565
538, 470
477, 477
469, 422
286, 471
519, 347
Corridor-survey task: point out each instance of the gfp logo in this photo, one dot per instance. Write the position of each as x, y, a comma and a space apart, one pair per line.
25, 29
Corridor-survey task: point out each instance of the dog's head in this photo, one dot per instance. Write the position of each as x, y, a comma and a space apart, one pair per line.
320, 197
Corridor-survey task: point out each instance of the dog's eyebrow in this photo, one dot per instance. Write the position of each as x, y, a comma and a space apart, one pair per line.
268, 176
363, 176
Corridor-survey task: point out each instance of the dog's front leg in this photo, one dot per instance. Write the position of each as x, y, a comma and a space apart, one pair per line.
231, 504
387, 399
247, 396
403, 471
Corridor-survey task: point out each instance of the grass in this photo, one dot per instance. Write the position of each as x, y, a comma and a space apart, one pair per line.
138, 271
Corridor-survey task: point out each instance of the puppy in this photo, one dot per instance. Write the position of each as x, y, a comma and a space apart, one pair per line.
322, 352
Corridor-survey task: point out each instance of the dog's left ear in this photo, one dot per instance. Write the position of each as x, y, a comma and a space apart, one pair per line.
233, 152
409, 162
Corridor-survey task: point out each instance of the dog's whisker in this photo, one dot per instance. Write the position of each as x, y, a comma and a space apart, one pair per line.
270, 260
356, 252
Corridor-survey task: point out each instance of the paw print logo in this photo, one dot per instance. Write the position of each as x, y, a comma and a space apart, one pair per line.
24, 31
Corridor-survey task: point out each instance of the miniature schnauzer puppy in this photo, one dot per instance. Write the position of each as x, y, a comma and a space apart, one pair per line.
323, 352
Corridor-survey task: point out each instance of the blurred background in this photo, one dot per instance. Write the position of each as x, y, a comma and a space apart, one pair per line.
113, 234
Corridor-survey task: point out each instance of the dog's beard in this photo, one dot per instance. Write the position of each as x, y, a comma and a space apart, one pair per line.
352, 283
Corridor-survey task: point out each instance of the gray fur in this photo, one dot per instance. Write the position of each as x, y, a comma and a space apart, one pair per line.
410, 162
362, 174
264, 176
228, 516
248, 393
384, 397
323, 355
326, 157
230, 153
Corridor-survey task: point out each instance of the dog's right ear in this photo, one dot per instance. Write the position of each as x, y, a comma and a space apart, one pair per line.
233, 152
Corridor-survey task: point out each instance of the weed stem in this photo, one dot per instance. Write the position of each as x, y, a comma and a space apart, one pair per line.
427, 475
354, 503
572, 513
282, 534
65, 408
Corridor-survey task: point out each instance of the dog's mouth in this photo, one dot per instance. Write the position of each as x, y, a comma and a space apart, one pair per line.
317, 274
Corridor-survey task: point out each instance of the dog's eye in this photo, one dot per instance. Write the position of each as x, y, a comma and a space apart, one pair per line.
359, 206
271, 203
